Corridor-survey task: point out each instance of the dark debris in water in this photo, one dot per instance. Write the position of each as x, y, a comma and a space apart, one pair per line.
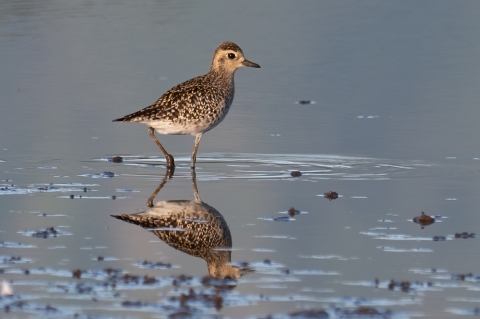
47, 233
77, 274
185, 305
295, 173
206, 299
305, 102
406, 286
466, 277
330, 195
40, 310
116, 159
292, 212
181, 279
465, 235
424, 220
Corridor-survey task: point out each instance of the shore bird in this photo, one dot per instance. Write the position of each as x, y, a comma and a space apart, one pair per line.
197, 105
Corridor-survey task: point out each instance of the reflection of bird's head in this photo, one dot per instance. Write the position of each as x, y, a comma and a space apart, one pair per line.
227, 271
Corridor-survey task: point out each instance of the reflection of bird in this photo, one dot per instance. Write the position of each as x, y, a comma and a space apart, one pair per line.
197, 105
193, 227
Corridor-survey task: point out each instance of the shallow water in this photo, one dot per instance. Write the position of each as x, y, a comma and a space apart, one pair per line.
393, 130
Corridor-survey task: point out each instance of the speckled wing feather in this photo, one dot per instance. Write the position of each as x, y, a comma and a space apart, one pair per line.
187, 101
197, 237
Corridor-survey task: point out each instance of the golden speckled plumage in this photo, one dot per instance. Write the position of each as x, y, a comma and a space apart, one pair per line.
197, 105
194, 228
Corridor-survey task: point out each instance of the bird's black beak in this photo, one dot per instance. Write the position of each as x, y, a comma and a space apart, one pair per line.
250, 64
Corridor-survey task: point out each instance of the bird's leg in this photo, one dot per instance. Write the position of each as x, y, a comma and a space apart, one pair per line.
195, 148
168, 157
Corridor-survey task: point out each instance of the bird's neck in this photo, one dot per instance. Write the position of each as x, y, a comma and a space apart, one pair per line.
217, 74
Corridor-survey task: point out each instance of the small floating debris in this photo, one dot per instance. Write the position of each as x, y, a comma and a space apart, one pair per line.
305, 102
48, 232
212, 299
407, 286
116, 159
295, 173
423, 220
292, 212
465, 235
104, 258
330, 195
77, 274
465, 277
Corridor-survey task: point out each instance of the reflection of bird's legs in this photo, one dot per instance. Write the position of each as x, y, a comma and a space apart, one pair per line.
195, 149
195, 188
168, 174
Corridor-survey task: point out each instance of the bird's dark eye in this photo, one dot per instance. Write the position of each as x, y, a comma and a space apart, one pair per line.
231, 56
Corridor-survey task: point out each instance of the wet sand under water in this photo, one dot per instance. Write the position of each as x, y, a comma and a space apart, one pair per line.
292, 251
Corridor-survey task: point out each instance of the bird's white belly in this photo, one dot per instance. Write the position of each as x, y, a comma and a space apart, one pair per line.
191, 128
